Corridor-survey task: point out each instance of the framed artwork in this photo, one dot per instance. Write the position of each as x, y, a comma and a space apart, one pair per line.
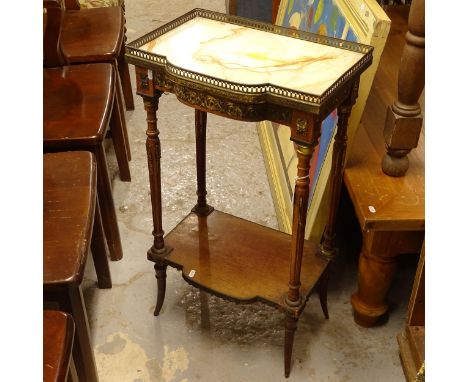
363, 21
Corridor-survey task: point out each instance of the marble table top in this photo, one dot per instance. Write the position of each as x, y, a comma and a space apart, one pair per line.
250, 56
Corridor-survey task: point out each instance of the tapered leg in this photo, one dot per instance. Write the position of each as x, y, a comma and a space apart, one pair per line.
290, 325
118, 138
201, 208
322, 290
153, 151
161, 278
83, 355
106, 202
99, 251
301, 197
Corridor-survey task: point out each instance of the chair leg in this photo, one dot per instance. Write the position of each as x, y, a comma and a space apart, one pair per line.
118, 93
161, 277
118, 138
106, 202
72, 374
322, 291
99, 251
124, 75
83, 355
290, 325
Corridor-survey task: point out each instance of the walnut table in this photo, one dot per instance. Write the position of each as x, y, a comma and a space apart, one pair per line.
250, 71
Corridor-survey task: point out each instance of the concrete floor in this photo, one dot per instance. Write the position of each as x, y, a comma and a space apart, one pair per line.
199, 337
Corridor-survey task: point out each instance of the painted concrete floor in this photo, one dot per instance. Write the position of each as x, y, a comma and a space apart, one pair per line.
199, 337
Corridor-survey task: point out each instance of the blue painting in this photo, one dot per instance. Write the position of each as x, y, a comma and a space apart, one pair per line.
325, 18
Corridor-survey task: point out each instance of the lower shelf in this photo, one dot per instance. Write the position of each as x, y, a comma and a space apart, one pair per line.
238, 259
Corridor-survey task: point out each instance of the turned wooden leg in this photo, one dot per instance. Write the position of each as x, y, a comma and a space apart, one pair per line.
339, 154
404, 119
201, 208
106, 202
153, 152
294, 297
290, 325
83, 354
118, 139
161, 278
377, 266
301, 198
99, 251
323, 290
375, 276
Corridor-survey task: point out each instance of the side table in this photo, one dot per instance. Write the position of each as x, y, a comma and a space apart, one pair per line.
251, 71
390, 211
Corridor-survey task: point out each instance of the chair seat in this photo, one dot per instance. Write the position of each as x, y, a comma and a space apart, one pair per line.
77, 104
69, 201
58, 331
91, 35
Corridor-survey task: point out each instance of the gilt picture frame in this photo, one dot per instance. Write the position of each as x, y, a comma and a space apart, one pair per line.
362, 21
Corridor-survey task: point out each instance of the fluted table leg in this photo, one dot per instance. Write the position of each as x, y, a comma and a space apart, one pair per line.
153, 150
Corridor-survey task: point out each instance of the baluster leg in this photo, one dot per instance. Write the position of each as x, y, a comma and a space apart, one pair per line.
404, 119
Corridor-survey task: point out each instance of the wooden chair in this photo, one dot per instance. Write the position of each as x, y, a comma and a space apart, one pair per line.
57, 339
97, 35
79, 104
71, 222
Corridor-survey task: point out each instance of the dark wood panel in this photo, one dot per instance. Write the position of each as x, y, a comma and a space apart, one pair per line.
69, 200
58, 331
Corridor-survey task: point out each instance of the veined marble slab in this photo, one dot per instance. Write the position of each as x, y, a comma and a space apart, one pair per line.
252, 57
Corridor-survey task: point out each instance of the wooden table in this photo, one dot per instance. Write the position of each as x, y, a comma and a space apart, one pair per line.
390, 210
250, 71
